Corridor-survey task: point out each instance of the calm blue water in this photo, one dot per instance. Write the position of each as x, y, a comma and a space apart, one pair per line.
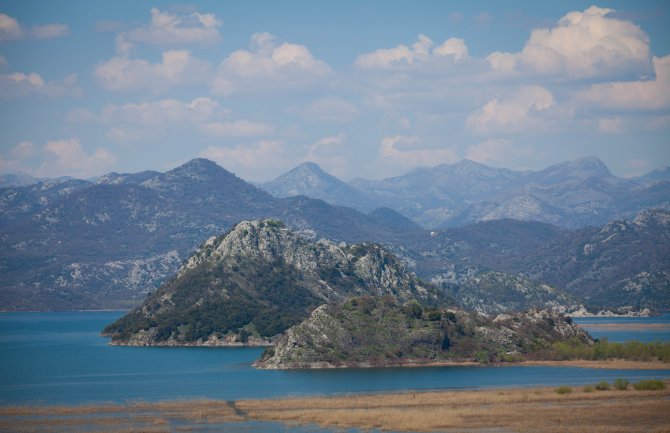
60, 358
661, 333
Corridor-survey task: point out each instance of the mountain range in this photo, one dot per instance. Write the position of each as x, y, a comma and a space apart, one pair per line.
76, 244
571, 194
107, 243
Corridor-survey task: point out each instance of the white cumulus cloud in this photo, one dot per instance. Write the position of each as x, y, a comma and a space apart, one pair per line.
153, 119
498, 152
584, 44
260, 161
22, 84
23, 150
169, 29
402, 151
11, 29
421, 51
67, 157
328, 153
178, 67
49, 31
651, 94
269, 67
519, 111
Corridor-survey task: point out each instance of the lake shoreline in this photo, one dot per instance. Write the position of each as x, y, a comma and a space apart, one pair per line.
608, 364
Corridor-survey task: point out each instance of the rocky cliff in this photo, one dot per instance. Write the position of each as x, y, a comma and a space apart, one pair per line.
257, 280
368, 331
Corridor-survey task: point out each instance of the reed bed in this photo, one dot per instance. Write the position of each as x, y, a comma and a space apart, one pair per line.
160, 417
517, 410
510, 410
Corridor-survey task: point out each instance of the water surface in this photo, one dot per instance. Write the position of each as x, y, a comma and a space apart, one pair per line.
620, 329
59, 358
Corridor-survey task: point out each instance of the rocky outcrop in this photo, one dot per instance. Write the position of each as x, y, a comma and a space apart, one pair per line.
367, 332
257, 280
497, 292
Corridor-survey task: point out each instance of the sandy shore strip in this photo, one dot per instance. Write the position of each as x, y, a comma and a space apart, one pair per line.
578, 409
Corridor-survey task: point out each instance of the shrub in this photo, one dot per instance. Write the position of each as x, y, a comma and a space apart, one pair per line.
649, 385
602, 386
621, 384
483, 356
588, 388
563, 390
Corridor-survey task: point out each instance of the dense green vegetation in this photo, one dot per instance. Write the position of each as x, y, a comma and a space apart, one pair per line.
603, 349
564, 389
368, 330
603, 386
621, 384
649, 385
232, 306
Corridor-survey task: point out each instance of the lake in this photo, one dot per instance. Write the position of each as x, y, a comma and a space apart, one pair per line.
59, 358
620, 329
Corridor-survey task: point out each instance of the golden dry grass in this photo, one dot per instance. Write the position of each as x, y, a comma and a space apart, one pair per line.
136, 417
517, 410
615, 364
510, 410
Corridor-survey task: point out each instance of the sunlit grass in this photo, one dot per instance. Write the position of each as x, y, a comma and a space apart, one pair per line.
610, 410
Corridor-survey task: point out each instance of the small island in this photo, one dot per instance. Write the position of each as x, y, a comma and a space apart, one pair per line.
371, 331
321, 304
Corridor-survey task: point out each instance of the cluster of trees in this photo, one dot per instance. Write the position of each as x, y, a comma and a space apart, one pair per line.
277, 301
603, 349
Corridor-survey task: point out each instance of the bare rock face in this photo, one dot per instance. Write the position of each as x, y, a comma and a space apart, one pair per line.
379, 331
257, 280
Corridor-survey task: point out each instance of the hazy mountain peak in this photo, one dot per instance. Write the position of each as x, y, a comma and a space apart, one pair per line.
590, 163
196, 166
310, 165
468, 163
310, 180
658, 175
588, 166
16, 179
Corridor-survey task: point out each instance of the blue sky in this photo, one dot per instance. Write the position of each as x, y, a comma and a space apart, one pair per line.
364, 88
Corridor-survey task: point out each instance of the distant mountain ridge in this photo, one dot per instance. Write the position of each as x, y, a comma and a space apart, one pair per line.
76, 244
623, 264
310, 180
570, 194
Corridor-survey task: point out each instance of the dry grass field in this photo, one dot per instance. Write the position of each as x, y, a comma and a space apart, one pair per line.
581, 409
612, 364
161, 417
506, 410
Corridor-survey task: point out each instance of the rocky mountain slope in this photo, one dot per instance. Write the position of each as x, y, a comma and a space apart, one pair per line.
431, 196
497, 292
369, 331
73, 244
621, 264
259, 279
310, 180
76, 244
571, 194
